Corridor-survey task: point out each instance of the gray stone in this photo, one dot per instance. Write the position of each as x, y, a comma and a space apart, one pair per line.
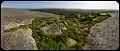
71, 42
18, 40
103, 13
52, 29
104, 35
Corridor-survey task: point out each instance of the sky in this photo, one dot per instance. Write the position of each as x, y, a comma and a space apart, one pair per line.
62, 4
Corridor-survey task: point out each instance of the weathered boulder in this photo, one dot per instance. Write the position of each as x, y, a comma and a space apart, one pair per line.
71, 42
104, 35
52, 29
103, 13
12, 17
18, 40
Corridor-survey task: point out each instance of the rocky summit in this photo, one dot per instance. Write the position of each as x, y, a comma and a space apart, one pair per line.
26, 29
14, 36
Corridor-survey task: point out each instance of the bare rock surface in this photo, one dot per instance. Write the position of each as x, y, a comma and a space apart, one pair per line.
14, 17
52, 29
20, 39
104, 35
71, 42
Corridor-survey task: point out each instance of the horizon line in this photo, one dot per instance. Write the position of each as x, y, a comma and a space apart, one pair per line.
62, 8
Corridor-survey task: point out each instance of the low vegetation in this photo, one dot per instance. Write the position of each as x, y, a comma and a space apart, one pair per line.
77, 28
77, 25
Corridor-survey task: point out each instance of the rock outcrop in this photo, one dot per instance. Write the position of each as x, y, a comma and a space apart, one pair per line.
21, 39
18, 40
104, 35
52, 29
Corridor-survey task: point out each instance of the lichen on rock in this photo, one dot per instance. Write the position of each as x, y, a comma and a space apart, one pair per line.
104, 35
18, 40
71, 42
52, 29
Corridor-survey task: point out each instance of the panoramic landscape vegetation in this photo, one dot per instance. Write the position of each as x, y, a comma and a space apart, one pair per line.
59, 29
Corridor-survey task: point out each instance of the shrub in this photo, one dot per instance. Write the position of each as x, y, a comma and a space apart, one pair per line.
70, 20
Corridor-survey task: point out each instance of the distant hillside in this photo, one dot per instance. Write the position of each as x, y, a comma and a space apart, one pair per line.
22, 12
65, 11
